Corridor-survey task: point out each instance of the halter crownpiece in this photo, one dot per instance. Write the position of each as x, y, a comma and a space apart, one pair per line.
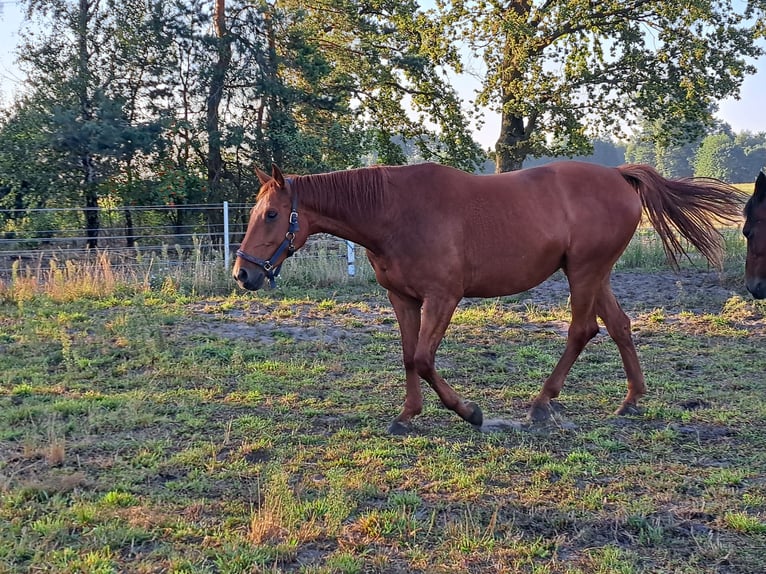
287, 244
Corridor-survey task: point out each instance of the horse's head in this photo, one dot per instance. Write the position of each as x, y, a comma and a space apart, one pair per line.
273, 233
755, 232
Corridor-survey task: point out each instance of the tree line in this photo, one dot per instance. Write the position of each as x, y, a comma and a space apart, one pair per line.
174, 101
720, 154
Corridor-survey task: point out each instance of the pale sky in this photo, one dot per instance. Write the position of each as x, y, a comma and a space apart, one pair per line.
748, 113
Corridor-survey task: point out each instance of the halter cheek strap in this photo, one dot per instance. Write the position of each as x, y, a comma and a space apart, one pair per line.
287, 245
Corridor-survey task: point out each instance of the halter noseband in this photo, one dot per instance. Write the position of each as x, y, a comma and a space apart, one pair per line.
286, 245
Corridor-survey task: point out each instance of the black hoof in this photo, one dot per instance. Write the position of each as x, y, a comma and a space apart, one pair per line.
399, 428
476, 418
545, 413
541, 413
628, 410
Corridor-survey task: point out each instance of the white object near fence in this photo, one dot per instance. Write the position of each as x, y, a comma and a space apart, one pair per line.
226, 255
351, 258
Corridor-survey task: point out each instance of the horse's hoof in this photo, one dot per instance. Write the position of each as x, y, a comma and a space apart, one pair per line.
476, 418
541, 413
400, 428
629, 409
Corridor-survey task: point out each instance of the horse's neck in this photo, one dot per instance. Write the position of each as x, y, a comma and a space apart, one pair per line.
345, 204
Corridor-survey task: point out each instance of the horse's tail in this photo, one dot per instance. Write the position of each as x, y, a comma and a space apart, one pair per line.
691, 206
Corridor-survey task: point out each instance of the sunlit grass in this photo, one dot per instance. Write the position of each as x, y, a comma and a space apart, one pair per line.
151, 423
195, 274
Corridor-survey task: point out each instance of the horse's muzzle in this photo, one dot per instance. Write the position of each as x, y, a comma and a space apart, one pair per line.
757, 288
252, 280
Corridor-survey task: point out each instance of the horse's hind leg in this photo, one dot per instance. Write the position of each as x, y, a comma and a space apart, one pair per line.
582, 329
618, 326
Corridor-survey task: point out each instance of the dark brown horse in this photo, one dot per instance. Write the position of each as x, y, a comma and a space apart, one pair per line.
435, 235
755, 232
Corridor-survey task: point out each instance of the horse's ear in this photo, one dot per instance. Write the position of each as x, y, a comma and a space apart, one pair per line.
276, 173
760, 188
263, 177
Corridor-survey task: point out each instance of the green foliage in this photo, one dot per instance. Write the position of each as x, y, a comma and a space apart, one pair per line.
666, 146
715, 156
377, 66
134, 100
718, 153
558, 71
728, 158
25, 141
126, 97
84, 110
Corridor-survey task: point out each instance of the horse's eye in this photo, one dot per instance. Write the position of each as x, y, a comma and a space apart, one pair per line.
271, 215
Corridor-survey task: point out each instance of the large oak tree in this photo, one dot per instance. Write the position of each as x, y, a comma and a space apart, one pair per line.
561, 72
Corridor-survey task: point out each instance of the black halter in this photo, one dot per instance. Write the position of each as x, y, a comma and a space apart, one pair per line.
286, 245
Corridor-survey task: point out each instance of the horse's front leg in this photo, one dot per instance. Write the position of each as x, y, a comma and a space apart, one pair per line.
436, 315
408, 315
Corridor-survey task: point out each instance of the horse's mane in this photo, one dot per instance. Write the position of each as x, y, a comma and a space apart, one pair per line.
355, 191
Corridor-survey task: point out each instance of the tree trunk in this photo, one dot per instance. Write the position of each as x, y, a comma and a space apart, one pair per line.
87, 162
215, 95
130, 232
92, 220
512, 146
275, 108
215, 166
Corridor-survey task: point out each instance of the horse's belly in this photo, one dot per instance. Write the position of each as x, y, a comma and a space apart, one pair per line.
497, 277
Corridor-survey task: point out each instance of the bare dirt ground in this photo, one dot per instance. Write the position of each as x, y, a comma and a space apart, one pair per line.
689, 289
263, 320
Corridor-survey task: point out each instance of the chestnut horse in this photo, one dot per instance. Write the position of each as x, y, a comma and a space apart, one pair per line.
755, 232
435, 234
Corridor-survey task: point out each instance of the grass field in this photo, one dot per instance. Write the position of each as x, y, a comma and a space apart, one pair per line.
147, 429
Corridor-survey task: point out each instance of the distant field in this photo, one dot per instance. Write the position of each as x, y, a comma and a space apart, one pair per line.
154, 431
746, 187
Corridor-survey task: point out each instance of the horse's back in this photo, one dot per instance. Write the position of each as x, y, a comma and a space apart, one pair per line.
506, 233
553, 185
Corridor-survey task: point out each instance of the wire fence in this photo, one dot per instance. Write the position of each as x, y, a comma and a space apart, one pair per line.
150, 244
128, 236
